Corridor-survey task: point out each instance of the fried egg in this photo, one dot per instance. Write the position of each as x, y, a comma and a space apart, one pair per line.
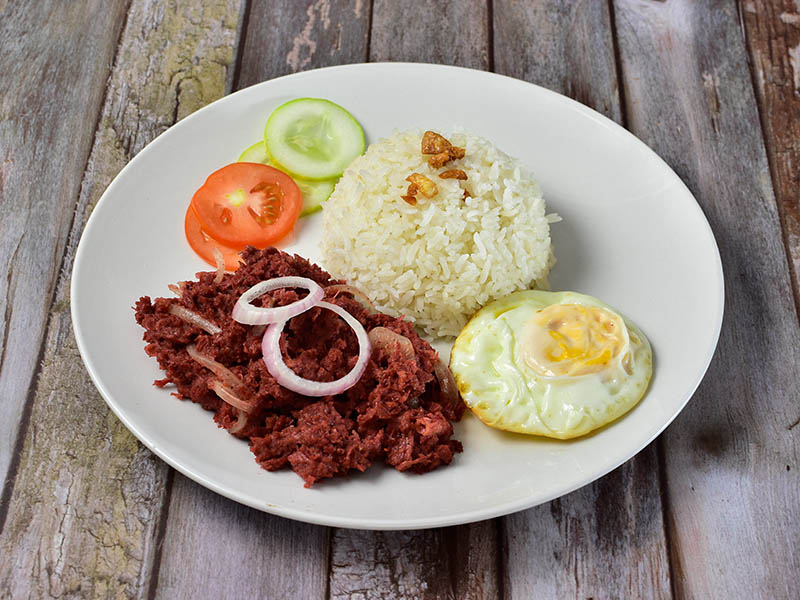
556, 364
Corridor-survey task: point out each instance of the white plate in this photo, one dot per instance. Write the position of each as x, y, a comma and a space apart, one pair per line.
632, 235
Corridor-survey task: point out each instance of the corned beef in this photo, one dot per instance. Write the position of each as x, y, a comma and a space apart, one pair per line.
396, 413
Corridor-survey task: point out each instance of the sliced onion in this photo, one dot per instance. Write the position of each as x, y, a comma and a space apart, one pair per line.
244, 312
227, 376
270, 346
229, 396
240, 422
220, 260
178, 288
383, 337
446, 382
357, 295
193, 318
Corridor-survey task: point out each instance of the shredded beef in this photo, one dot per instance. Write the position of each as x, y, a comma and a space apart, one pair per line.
396, 413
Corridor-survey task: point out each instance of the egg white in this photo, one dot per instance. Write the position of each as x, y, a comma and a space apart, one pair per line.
503, 391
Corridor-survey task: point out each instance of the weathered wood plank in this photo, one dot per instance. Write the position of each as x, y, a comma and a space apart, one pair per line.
289, 35
564, 46
732, 461
85, 508
607, 539
773, 38
262, 553
448, 33
216, 549
455, 562
87, 501
54, 61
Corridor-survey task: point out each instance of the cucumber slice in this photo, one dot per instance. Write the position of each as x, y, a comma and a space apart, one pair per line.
314, 192
313, 138
257, 153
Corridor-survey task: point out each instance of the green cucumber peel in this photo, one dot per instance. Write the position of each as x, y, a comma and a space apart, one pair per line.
313, 138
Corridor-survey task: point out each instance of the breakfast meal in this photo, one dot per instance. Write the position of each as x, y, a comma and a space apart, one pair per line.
556, 364
324, 371
474, 231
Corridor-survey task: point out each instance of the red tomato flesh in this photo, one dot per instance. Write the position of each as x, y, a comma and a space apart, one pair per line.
203, 244
247, 204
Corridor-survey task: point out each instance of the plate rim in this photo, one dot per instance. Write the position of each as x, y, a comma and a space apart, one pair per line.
308, 516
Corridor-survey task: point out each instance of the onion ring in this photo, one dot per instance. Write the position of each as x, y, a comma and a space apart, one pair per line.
270, 346
244, 312
220, 260
227, 396
193, 318
447, 383
356, 293
241, 421
228, 377
383, 337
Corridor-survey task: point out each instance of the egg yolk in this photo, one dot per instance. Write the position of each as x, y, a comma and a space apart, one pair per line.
572, 339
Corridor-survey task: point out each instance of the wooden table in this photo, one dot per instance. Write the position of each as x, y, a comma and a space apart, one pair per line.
709, 510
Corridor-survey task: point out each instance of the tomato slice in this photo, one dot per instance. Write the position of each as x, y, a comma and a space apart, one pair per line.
203, 244
248, 204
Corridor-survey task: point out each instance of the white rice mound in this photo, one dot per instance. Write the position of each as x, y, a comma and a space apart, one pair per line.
440, 261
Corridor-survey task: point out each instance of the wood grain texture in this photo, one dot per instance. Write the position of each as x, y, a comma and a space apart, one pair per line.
456, 562
87, 500
772, 30
448, 33
732, 455
564, 46
221, 549
86, 503
265, 555
287, 36
54, 60
606, 539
